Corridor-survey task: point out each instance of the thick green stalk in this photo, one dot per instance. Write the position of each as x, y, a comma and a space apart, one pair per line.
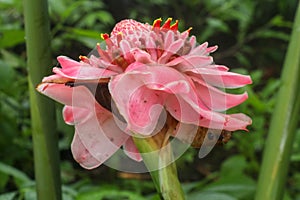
279, 143
169, 184
45, 146
165, 178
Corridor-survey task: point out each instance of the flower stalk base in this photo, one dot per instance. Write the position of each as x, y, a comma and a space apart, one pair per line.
165, 177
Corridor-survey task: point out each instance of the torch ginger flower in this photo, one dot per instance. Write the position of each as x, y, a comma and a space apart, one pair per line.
142, 71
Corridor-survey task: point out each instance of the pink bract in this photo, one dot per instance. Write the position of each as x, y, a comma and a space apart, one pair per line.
145, 69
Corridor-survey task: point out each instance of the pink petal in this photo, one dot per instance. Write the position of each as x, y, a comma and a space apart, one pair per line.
184, 34
100, 63
78, 96
171, 50
221, 78
203, 49
145, 108
190, 62
211, 49
169, 39
141, 56
215, 99
84, 72
200, 49
126, 48
232, 122
79, 70
131, 150
139, 105
238, 121
55, 78
160, 78
193, 41
139, 94
74, 115
100, 136
185, 110
151, 48
217, 67
82, 155
97, 135
66, 62
182, 111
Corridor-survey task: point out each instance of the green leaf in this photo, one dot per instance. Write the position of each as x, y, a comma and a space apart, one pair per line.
68, 191
10, 38
101, 16
238, 163
3, 180
108, 194
30, 194
8, 2
20, 177
7, 76
256, 76
218, 24
270, 89
8, 196
266, 34
210, 196
243, 59
56, 7
255, 101
296, 149
239, 189
87, 37
231, 188
84, 32
12, 59
278, 21
295, 157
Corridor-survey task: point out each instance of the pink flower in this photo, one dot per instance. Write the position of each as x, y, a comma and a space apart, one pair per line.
125, 88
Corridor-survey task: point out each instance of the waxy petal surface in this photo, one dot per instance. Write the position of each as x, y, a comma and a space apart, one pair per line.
131, 150
220, 78
153, 74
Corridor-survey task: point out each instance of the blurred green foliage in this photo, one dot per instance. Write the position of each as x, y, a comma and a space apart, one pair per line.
252, 36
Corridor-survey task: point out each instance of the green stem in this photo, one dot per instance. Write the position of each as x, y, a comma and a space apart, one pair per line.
165, 178
272, 178
168, 180
45, 145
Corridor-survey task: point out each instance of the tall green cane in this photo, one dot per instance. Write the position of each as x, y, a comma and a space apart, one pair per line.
282, 130
46, 157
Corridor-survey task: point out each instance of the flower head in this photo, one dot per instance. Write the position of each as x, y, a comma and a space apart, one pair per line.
145, 76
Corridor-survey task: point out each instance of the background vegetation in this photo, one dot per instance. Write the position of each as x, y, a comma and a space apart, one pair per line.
252, 36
